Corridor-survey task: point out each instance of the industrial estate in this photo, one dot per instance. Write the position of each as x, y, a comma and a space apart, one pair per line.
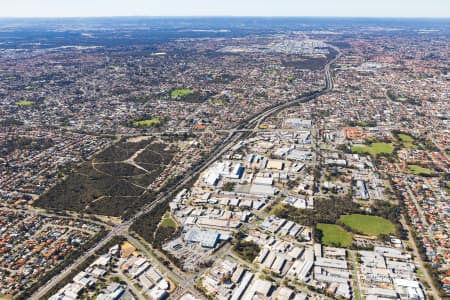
224, 158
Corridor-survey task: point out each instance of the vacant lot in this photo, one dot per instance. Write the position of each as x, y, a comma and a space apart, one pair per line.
114, 183
334, 235
418, 170
374, 149
368, 225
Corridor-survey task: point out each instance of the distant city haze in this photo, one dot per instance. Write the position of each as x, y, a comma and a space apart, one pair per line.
337, 8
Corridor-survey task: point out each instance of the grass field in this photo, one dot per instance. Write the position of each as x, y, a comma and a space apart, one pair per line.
167, 221
217, 101
147, 123
363, 124
24, 103
418, 170
290, 78
407, 140
334, 235
374, 149
180, 93
368, 225
367, 123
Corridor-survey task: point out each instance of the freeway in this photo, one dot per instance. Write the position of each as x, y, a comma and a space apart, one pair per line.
234, 136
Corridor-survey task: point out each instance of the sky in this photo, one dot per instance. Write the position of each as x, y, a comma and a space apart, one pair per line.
341, 8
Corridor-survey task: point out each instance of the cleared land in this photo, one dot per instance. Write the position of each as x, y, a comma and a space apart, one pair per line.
114, 183
374, 149
334, 235
368, 225
147, 123
418, 170
24, 103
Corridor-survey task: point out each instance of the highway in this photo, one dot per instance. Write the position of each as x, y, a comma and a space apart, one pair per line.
234, 136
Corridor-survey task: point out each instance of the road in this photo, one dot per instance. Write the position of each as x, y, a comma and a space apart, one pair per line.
234, 136
429, 233
356, 278
434, 291
185, 282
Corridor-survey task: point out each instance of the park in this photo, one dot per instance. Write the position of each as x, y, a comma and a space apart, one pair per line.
374, 149
367, 225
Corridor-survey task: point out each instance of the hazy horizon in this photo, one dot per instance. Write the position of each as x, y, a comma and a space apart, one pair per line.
225, 16
231, 8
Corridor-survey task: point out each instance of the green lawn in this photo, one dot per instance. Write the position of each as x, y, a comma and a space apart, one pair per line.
168, 221
147, 123
216, 101
363, 123
374, 149
418, 170
334, 235
406, 138
180, 93
368, 225
367, 124
24, 103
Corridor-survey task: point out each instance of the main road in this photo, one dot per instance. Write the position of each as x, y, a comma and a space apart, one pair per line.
235, 135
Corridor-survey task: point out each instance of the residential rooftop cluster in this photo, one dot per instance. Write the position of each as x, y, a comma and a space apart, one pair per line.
32, 159
32, 245
123, 272
398, 96
101, 90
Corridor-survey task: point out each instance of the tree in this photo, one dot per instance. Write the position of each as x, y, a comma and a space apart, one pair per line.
228, 186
